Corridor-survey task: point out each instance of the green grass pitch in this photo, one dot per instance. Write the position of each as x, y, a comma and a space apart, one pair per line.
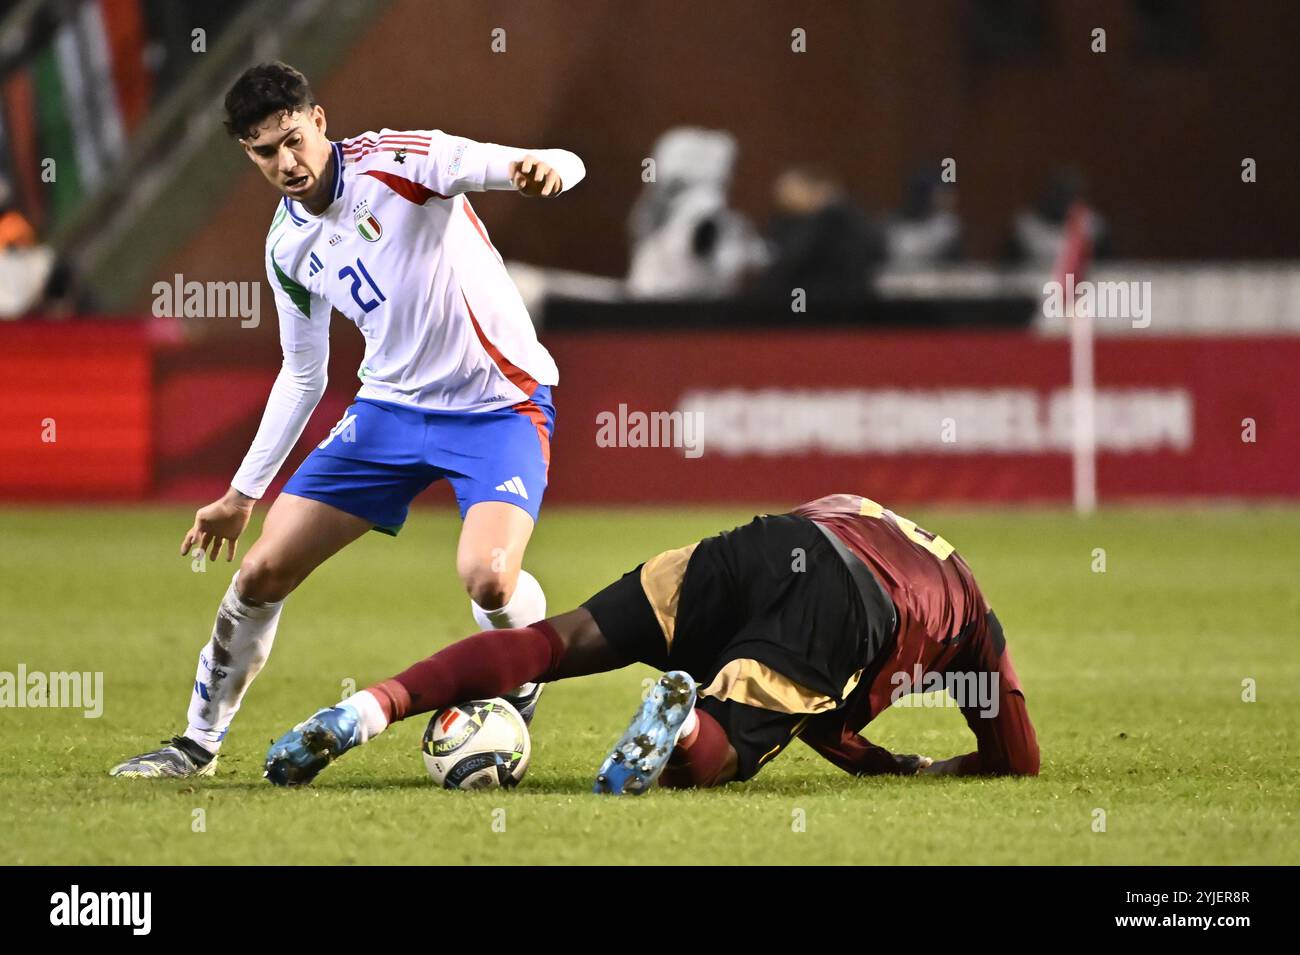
1134, 679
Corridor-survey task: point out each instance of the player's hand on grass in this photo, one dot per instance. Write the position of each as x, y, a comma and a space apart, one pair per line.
532, 177
911, 764
220, 522
942, 767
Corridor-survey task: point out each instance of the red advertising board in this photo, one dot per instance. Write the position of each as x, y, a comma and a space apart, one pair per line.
76, 410
672, 417
782, 416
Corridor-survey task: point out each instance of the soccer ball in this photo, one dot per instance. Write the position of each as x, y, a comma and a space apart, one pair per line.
477, 745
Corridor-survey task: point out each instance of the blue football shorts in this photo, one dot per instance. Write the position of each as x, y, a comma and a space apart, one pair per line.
381, 455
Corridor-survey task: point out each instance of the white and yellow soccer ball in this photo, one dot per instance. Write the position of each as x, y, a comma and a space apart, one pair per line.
482, 744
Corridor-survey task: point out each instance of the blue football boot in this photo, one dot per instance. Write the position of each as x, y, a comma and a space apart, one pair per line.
642, 753
296, 757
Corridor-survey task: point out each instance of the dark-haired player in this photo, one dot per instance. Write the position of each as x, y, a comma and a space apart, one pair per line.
454, 383
805, 624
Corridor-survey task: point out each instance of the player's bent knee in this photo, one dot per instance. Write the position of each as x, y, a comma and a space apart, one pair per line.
264, 579
490, 589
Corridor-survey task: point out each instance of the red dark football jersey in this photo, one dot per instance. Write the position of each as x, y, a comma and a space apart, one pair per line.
931, 587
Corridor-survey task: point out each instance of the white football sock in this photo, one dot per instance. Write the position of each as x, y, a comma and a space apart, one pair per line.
688, 725
240, 643
371, 720
527, 605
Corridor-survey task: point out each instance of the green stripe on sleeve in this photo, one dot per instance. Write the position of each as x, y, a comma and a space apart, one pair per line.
299, 295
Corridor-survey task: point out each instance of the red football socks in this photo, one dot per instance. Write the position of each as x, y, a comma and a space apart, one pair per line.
476, 668
698, 759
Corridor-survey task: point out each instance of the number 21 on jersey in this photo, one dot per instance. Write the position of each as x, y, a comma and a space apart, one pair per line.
368, 304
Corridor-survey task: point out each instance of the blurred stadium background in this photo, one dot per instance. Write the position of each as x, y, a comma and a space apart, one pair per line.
803, 268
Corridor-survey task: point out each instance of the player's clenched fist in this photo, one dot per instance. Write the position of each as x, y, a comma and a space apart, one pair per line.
219, 522
533, 177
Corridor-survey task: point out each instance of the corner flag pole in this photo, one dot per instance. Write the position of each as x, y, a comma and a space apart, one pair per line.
1071, 266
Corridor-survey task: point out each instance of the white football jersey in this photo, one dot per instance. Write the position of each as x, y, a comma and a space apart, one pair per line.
403, 255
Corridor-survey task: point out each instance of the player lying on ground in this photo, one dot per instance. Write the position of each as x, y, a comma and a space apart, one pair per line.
455, 384
806, 624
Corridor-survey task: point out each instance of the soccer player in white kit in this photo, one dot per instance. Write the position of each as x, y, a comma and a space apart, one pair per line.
454, 383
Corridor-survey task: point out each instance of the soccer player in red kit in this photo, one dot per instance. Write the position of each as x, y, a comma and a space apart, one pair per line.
806, 624
945, 627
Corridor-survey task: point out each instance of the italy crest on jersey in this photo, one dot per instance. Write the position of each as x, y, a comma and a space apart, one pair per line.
367, 224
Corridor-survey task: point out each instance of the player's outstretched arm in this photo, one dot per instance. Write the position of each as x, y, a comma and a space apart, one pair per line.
456, 165
1007, 743
304, 342
832, 738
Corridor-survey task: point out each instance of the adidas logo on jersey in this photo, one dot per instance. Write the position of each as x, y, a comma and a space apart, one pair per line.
514, 486
314, 264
